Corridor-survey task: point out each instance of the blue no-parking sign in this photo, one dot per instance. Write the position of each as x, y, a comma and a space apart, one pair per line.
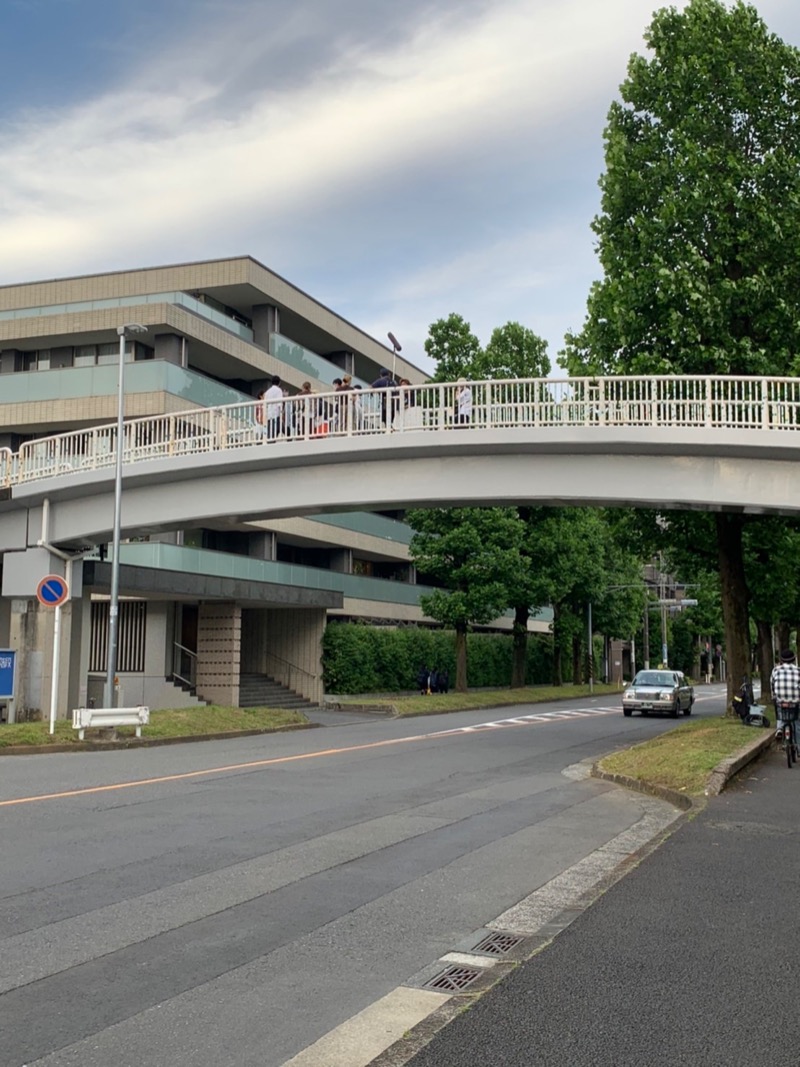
8, 663
52, 590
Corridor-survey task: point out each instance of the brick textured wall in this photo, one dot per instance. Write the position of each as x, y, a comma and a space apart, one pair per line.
219, 642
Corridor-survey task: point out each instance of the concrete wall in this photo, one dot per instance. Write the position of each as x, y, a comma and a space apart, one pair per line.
5, 622
219, 639
293, 654
254, 641
31, 631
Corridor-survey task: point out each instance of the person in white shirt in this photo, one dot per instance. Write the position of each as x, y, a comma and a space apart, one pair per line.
273, 411
463, 403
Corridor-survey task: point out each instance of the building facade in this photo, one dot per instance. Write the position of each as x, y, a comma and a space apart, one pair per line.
204, 613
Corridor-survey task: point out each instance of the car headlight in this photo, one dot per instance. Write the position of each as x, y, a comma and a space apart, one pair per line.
668, 694
628, 695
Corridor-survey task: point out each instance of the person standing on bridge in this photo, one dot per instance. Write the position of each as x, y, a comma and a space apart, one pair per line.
273, 408
385, 381
463, 403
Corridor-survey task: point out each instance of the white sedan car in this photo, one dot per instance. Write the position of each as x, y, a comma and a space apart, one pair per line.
667, 692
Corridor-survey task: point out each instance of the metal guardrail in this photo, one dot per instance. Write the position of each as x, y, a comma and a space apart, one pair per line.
615, 402
8, 467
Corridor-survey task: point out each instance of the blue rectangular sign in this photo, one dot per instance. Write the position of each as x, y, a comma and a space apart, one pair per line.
8, 662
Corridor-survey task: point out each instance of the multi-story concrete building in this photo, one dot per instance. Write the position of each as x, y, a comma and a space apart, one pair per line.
205, 605
217, 608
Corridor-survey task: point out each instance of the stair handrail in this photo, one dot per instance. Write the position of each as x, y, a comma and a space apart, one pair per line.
294, 666
192, 680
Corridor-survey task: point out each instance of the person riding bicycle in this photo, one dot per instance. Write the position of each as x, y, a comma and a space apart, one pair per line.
785, 685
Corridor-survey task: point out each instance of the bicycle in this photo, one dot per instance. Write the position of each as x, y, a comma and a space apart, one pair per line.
788, 713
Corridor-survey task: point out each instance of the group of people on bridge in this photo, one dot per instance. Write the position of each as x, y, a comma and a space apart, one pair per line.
345, 409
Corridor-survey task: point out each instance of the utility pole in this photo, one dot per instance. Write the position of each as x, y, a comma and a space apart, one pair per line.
646, 634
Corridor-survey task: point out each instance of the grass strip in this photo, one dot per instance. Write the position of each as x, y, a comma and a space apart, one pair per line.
169, 722
683, 758
438, 703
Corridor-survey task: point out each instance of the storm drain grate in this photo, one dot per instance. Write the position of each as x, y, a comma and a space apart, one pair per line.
453, 979
497, 944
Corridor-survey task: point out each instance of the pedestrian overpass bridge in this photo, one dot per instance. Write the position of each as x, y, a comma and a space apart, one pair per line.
710, 443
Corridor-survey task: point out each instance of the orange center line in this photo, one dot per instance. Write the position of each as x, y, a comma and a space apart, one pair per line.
271, 762
212, 770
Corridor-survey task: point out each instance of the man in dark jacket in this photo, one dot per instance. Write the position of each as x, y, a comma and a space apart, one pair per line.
385, 381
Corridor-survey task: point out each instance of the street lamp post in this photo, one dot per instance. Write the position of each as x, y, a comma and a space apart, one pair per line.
396, 347
113, 608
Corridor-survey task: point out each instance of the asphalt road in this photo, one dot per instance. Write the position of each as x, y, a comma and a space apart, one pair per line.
691, 959
231, 902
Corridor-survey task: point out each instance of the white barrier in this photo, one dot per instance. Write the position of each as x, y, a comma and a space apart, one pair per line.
83, 718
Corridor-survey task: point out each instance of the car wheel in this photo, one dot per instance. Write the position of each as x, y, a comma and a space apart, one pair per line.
676, 707
627, 712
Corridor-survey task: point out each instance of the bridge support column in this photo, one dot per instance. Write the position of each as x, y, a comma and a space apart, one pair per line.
30, 632
219, 647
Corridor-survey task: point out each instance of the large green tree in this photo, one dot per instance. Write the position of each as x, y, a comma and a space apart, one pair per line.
699, 235
471, 553
513, 351
453, 347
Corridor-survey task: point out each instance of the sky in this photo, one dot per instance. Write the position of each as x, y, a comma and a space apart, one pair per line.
397, 161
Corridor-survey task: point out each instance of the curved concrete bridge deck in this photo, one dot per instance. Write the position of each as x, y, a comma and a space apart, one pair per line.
706, 443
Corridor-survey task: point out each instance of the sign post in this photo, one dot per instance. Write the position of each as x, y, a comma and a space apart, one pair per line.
52, 591
8, 678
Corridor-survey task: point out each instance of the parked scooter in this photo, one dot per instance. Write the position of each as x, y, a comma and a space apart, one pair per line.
749, 712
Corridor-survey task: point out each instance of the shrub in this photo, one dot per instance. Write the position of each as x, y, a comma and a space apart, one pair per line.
358, 658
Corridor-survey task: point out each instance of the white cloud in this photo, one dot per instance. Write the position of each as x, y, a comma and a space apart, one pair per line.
152, 169
409, 160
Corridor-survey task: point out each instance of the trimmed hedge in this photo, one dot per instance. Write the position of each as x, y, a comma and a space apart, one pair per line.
359, 658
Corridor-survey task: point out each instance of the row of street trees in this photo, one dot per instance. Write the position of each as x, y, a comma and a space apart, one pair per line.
491, 560
699, 241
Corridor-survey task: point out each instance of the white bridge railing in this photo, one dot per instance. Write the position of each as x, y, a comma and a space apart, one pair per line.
701, 402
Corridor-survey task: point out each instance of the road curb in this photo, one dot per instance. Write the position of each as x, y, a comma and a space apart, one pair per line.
147, 742
384, 710
391, 710
730, 767
672, 796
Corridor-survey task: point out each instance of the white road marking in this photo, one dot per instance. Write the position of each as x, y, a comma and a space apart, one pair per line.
525, 720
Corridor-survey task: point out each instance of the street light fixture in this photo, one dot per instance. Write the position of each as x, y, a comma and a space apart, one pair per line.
396, 347
113, 608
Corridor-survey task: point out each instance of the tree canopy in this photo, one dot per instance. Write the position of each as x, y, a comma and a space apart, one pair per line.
453, 347
699, 236
513, 351
472, 554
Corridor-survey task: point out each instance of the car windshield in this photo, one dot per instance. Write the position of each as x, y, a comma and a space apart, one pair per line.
654, 678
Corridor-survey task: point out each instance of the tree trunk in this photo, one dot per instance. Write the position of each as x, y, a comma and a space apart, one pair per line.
783, 633
735, 599
766, 658
519, 646
577, 646
461, 658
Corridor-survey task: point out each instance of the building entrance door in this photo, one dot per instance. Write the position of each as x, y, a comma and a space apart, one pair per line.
184, 659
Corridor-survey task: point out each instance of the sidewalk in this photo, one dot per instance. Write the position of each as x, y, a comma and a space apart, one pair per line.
683, 961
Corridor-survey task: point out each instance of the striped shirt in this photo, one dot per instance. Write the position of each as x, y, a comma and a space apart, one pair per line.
785, 683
